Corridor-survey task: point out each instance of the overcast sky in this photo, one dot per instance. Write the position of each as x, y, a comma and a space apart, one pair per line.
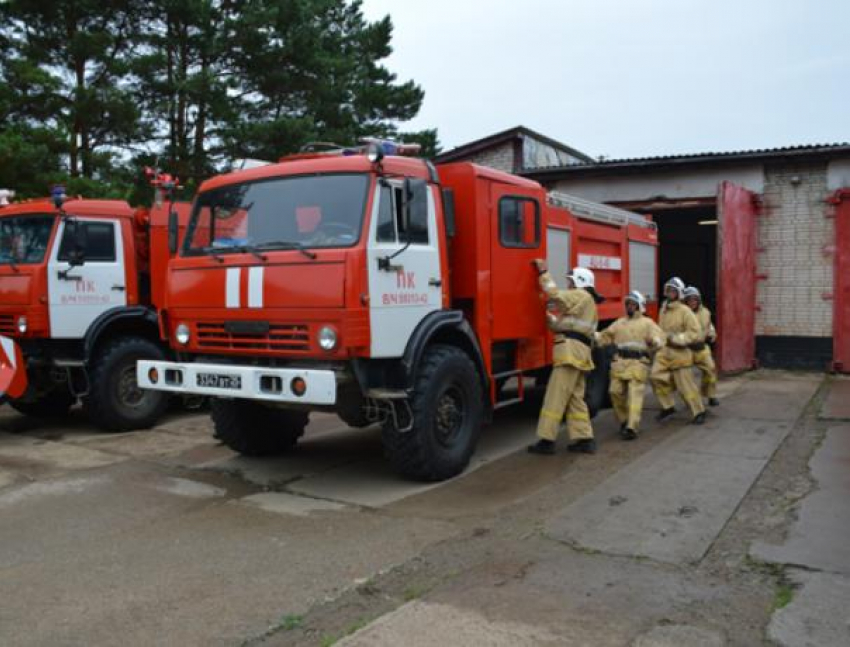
626, 78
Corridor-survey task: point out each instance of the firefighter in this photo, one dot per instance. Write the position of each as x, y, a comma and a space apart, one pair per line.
634, 337
671, 370
702, 351
573, 320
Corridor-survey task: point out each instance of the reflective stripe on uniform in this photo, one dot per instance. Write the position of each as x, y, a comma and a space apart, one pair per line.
551, 415
579, 325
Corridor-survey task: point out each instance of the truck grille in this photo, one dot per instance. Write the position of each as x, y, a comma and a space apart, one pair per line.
7, 325
281, 337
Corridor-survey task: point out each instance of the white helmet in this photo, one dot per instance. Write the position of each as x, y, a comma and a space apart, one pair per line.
677, 284
638, 298
582, 278
692, 291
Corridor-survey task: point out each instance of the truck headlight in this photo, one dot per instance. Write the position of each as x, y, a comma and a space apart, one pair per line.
22, 325
327, 338
182, 334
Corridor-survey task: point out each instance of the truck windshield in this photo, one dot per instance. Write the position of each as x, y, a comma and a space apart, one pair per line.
281, 213
23, 239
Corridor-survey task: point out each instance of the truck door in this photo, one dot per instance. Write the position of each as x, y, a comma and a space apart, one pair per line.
736, 305
517, 240
78, 294
405, 281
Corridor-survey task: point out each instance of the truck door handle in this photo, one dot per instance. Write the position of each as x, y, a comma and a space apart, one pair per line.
118, 288
64, 276
435, 282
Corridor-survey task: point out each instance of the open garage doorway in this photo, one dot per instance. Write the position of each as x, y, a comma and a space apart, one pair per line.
688, 249
711, 243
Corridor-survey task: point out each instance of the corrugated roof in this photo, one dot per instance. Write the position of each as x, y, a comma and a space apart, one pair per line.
660, 160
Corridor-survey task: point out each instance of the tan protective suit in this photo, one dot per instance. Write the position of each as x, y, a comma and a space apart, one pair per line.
702, 353
571, 360
630, 335
671, 370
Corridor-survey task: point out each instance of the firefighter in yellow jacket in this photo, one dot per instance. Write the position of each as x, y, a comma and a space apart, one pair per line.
634, 337
671, 370
702, 351
573, 320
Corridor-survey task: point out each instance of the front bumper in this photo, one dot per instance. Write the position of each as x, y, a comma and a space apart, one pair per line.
255, 383
13, 369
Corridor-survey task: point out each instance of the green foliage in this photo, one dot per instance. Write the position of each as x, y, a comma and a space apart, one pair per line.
93, 90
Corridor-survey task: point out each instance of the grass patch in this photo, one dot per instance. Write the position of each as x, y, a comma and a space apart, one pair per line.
413, 593
783, 596
328, 641
290, 622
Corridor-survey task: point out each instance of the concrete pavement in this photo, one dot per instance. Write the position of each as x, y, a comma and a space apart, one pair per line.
816, 549
166, 537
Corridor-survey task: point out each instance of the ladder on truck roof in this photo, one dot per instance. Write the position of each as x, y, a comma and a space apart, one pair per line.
597, 211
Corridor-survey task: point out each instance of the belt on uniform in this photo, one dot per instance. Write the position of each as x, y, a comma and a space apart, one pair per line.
571, 334
698, 346
631, 353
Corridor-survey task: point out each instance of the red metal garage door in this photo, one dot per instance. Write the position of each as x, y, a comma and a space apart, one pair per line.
736, 304
841, 293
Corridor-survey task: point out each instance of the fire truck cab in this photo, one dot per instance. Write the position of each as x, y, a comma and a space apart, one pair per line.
79, 283
381, 288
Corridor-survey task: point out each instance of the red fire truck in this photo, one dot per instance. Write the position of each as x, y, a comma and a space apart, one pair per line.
383, 289
80, 282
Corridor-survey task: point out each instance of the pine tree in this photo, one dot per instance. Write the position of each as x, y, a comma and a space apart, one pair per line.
66, 65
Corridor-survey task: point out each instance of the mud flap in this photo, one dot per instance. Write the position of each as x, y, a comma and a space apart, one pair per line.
13, 370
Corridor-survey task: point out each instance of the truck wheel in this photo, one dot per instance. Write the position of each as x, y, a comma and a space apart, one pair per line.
596, 386
115, 402
253, 429
447, 406
54, 404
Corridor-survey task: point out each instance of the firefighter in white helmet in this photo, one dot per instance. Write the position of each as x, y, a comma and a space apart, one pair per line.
634, 337
572, 317
671, 370
702, 351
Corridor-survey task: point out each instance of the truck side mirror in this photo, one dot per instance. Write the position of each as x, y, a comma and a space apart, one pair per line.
415, 211
173, 232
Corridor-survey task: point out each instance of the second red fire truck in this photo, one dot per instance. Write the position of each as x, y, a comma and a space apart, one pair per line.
80, 284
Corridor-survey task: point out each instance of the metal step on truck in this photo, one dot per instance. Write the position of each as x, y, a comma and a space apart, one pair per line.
382, 288
80, 284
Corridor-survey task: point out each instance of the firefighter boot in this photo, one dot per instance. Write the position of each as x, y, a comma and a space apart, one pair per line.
699, 419
542, 446
628, 434
665, 413
713, 402
583, 446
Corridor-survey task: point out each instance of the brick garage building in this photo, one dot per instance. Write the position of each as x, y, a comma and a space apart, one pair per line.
763, 227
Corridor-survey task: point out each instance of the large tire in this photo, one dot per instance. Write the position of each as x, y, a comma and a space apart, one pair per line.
115, 402
447, 407
54, 404
253, 429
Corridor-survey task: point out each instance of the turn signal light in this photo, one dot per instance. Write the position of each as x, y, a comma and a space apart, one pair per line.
298, 386
153, 376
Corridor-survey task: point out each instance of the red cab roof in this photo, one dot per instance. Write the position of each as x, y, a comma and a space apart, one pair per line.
73, 207
392, 165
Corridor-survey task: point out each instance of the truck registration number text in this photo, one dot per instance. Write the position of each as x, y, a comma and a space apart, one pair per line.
219, 381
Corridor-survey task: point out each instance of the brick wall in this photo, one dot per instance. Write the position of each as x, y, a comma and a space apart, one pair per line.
794, 232
499, 157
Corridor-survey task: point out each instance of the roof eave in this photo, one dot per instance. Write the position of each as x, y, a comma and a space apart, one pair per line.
699, 161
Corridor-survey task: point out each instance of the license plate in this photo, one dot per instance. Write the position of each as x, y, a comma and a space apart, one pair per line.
219, 381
